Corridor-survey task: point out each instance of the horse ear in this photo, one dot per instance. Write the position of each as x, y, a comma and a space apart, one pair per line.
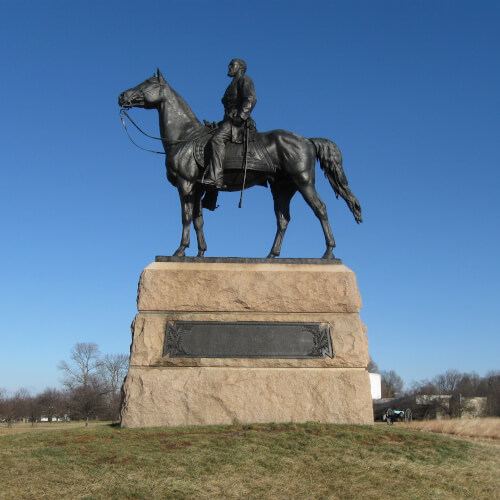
160, 76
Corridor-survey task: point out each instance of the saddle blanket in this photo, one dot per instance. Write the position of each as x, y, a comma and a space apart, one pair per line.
257, 157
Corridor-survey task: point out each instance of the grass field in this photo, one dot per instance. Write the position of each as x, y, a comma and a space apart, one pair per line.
18, 428
260, 461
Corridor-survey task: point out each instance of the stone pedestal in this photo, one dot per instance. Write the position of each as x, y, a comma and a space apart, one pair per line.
162, 390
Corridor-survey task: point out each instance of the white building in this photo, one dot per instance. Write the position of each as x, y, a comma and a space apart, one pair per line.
376, 385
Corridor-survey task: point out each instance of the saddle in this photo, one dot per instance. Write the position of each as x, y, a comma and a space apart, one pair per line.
258, 158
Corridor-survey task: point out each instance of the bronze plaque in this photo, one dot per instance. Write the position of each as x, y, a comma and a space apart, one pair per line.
247, 339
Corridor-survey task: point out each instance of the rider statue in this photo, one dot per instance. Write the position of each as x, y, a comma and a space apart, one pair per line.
239, 101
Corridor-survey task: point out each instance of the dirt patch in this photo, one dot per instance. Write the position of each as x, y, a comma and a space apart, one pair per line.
85, 439
81, 451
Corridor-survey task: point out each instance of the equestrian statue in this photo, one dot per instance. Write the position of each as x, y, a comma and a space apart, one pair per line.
231, 155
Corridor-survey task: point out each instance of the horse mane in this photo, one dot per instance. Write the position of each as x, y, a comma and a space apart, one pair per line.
183, 104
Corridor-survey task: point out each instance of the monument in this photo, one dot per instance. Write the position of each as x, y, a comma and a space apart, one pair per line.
226, 340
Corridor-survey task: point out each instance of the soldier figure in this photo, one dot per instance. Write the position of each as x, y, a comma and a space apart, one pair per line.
239, 101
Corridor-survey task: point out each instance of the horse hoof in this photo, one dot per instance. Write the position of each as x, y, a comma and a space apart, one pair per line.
271, 256
328, 255
201, 253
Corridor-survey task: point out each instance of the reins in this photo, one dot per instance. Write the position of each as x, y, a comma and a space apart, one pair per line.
123, 112
194, 136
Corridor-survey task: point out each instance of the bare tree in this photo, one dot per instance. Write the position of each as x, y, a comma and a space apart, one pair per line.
448, 382
392, 384
16, 407
85, 362
423, 387
113, 369
372, 366
51, 403
93, 381
9, 411
87, 401
472, 385
3, 404
22, 400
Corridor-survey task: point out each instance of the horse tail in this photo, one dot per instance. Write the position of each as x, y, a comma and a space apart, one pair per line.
330, 160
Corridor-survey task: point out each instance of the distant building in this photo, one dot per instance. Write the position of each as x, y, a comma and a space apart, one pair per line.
434, 405
376, 385
55, 419
463, 407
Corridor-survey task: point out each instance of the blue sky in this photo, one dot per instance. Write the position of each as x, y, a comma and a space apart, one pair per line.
408, 90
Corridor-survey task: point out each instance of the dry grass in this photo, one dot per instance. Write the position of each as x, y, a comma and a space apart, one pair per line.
310, 461
481, 428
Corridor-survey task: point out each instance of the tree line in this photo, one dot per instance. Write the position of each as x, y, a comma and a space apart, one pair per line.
91, 384
449, 383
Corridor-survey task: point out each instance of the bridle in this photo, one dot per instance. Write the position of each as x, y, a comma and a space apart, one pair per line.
168, 142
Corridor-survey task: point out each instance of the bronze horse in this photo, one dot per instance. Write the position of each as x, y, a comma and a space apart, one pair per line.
293, 156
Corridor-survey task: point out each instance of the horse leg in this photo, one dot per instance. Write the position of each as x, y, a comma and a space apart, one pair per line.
187, 216
312, 198
282, 194
198, 224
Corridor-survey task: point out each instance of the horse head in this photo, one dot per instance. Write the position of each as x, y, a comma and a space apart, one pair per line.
147, 94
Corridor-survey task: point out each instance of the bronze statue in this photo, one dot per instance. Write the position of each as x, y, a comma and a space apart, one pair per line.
283, 160
239, 101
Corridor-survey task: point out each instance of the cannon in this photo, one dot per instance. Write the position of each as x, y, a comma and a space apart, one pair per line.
391, 416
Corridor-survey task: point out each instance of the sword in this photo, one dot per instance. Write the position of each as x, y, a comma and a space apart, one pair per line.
245, 154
